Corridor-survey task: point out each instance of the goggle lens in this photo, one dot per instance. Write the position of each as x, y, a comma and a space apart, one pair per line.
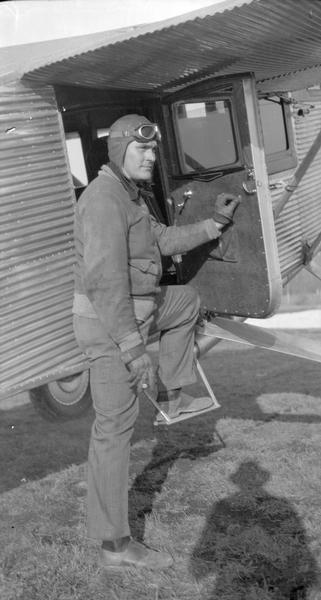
149, 132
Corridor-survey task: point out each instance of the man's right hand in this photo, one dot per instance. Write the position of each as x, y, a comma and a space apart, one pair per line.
142, 372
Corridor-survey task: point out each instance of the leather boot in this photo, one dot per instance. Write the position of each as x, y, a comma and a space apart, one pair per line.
136, 555
176, 402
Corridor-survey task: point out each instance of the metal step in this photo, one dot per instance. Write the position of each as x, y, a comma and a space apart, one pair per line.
168, 420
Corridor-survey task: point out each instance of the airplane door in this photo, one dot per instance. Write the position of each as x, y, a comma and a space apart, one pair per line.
216, 146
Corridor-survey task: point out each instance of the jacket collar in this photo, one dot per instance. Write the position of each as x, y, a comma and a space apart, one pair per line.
131, 188
135, 191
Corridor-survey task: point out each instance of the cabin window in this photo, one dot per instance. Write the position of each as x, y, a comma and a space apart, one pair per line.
205, 134
277, 134
76, 160
103, 132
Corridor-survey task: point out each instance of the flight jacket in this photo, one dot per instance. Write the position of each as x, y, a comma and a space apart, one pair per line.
118, 246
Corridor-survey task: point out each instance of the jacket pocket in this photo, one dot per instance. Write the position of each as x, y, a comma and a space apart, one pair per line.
144, 275
145, 265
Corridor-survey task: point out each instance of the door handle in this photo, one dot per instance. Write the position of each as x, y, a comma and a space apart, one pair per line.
249, 186
186, 196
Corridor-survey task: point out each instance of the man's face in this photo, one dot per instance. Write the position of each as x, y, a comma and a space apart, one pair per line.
139, 160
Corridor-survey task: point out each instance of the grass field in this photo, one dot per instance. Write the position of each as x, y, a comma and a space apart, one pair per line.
233, 495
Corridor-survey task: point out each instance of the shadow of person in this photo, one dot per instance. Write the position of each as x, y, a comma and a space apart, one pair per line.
253, 545
171, 444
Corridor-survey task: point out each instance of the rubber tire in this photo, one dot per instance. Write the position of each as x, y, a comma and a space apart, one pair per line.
63, 399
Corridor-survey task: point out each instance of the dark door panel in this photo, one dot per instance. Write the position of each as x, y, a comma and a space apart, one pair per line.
239, 274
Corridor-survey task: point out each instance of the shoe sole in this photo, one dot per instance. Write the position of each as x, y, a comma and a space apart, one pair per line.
184, 416
134, 566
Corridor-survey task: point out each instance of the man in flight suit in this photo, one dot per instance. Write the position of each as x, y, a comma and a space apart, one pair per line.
117, 303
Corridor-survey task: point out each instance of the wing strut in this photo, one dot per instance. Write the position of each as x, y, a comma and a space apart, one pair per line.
297, 176
314, 269
286, 343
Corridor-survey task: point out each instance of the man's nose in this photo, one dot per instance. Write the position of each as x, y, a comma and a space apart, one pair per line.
150, 154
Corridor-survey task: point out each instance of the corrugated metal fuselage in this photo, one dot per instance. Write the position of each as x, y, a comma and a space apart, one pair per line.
36, 242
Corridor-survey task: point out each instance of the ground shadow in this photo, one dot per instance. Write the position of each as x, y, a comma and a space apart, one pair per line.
253, 545
32, 447
238, 377
241, 374
170, 444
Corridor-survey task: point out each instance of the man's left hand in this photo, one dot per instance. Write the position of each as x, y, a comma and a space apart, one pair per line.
224, 208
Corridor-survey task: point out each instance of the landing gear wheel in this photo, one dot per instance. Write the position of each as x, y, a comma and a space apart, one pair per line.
63, 399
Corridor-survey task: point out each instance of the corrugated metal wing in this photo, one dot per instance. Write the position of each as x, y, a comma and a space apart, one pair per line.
300, 220
36, 242
268, 37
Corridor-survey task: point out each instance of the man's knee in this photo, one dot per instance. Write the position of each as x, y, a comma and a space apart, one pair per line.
176, 305
193, 296
192, 299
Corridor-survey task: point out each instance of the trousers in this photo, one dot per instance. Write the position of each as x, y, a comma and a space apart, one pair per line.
116, 404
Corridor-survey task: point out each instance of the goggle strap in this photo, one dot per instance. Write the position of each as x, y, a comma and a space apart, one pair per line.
120, 134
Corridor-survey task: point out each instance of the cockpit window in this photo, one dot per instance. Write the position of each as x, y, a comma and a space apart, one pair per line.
205, 134
273, 125
278, 136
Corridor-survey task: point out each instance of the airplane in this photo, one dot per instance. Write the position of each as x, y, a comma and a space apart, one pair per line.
235, 88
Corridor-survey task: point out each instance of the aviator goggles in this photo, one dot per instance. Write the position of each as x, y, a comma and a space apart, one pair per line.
142, 133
